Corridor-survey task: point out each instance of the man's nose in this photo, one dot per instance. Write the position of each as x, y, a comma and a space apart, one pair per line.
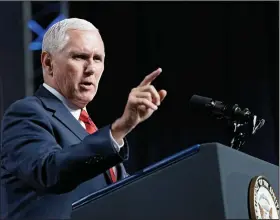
89, 68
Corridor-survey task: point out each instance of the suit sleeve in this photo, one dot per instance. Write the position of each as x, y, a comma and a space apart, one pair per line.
31, 152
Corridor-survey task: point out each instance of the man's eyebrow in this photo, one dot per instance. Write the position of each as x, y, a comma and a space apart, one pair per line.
99, 54
82, 53
78, 52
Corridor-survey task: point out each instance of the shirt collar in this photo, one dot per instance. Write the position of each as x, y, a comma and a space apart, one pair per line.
73, 109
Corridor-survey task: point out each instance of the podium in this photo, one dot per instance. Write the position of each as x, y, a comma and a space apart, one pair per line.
202, 182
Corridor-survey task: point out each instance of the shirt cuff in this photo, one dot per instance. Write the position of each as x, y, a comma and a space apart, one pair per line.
115, 143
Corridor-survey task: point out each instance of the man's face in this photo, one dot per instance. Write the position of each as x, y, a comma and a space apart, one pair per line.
78, 67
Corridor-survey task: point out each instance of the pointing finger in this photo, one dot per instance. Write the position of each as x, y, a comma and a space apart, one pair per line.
151, 77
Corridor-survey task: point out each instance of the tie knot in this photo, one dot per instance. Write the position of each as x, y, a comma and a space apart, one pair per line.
90, 126
84, 117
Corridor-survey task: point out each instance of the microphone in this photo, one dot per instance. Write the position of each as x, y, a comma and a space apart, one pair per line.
218, 109
244, 122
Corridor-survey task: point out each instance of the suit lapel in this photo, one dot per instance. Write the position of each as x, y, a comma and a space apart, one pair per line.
66, 118
60, 112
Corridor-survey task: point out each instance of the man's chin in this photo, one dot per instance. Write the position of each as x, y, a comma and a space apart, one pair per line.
87, 98
82, 101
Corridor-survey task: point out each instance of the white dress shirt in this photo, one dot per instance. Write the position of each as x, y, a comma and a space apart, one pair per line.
76, 112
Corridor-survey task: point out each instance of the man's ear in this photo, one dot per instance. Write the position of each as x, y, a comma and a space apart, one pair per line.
46, 60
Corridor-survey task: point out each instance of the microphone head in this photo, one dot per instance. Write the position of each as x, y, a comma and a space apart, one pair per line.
199, 101
200, 105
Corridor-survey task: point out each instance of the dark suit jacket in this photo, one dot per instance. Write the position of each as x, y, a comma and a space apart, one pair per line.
48, 160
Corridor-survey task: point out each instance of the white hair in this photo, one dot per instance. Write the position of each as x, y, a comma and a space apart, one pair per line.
54, 38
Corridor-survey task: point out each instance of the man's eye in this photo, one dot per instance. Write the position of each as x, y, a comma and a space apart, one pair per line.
79, 57
97, 58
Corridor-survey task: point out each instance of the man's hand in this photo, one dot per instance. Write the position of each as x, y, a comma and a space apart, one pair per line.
142, 102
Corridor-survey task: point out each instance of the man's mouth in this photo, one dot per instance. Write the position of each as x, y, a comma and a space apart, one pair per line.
87, 85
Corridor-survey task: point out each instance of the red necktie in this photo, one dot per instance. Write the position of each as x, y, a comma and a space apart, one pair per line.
91, 128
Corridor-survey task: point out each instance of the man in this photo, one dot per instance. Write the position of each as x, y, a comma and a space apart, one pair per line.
52, 153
